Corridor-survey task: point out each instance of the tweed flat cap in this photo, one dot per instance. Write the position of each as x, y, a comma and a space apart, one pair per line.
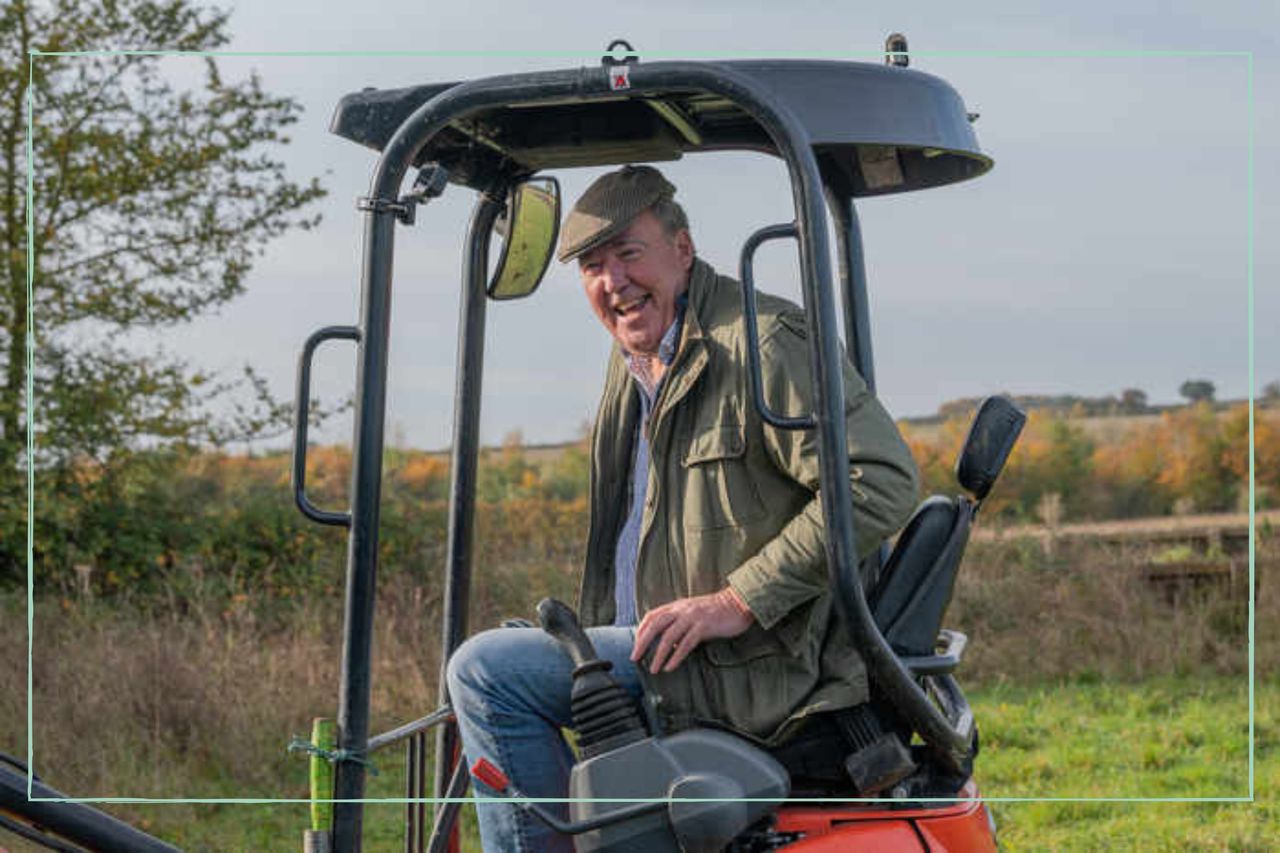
609, 205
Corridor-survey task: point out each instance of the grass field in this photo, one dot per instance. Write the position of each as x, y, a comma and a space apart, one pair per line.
1087, 681
1163, 738
1160, 738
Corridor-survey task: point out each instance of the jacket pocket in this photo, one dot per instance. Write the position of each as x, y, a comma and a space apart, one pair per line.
793, 637
719, 489
752, 681
752, 644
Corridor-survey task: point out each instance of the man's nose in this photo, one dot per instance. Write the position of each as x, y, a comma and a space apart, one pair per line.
614, 275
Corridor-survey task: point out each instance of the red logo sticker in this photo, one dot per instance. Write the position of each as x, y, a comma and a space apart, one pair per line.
620, 77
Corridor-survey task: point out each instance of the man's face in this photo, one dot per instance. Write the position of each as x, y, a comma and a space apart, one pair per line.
633, 280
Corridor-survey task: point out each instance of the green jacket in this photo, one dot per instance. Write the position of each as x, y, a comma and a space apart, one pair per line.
731, 500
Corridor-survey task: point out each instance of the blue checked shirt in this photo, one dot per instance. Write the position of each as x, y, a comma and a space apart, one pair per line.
624, 560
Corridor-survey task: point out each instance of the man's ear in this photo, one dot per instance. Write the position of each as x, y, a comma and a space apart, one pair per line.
684, 249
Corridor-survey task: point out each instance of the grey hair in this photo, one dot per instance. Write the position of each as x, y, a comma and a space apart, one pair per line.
671, 215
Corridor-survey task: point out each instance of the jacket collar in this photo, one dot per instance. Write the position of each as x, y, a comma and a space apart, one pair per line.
691, 355
702, 284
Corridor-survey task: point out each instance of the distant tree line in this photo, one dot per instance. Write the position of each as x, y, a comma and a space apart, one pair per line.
1130, 401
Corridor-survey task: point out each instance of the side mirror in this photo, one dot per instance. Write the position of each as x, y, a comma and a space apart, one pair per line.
995, 428
529, 229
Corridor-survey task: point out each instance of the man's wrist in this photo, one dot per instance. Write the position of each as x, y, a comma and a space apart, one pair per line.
731, 595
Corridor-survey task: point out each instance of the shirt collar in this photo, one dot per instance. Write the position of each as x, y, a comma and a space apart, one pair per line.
666, 347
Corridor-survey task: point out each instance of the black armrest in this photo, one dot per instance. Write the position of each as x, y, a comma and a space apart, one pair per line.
945, 661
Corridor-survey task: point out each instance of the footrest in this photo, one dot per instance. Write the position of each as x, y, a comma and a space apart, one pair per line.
879, 766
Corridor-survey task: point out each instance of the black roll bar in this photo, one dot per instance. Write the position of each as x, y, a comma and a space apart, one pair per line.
362, 540
589, 84
850, 260
853, 275
466, 450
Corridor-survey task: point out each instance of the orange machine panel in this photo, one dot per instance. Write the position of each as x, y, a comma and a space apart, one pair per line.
956, 827
881, 836
971, 831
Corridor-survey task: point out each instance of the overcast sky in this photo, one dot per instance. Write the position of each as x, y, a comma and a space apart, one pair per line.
1106, 250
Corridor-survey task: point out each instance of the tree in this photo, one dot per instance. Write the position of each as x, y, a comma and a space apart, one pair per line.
150, 205
1197, 390
1133, 401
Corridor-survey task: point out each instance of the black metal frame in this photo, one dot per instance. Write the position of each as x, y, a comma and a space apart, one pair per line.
809, 191
52, 820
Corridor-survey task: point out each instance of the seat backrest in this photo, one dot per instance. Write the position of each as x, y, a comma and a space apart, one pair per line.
913, 590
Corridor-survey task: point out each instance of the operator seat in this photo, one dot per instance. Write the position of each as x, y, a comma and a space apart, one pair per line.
915, 586
907, 601
911, 594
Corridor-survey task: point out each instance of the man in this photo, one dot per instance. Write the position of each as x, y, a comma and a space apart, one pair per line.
705, 582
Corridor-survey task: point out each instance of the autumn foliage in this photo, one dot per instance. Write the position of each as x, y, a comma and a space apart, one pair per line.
1188, 460
155, 520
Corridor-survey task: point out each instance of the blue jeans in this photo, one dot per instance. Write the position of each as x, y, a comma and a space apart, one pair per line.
510, 690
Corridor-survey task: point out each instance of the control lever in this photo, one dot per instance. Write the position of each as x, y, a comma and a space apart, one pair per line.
698, 788
559, 620
604, 715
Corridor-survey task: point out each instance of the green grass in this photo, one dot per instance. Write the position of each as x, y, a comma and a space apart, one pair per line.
1161, 738
219, 827
1184, 737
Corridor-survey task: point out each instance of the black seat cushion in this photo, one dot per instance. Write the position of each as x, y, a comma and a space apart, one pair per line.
912, 593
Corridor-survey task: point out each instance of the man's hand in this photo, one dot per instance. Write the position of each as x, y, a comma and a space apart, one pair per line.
679, 626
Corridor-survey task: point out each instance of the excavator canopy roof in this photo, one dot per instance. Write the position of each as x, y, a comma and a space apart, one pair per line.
878, 129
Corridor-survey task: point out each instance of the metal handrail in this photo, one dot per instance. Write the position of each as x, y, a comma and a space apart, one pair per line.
301, 414
435, 718
746, 271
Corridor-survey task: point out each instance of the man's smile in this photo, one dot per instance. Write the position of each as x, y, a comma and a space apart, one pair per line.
631, 306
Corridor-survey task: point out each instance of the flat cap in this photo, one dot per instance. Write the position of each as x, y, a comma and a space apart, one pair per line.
609, 205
